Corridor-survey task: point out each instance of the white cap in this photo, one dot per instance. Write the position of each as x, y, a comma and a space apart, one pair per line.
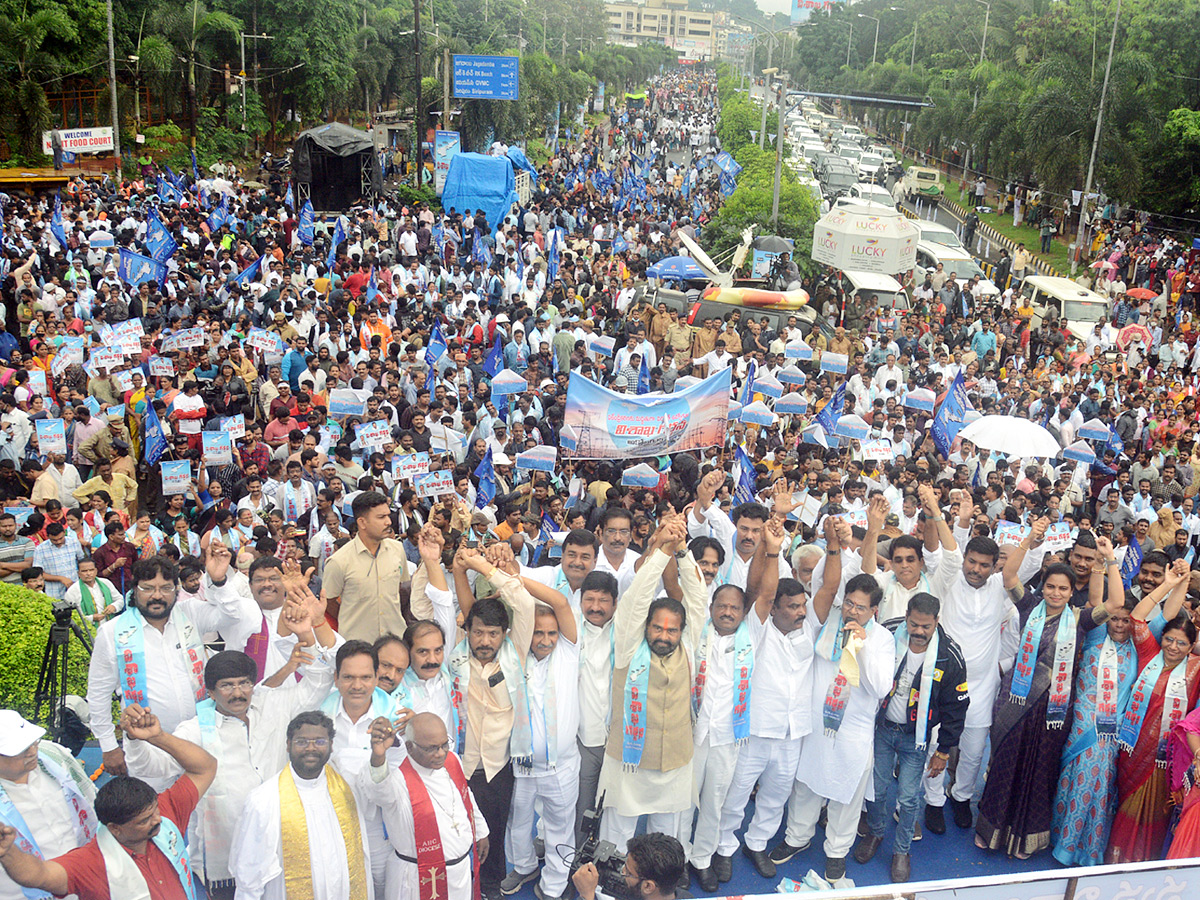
16, 734
501, 459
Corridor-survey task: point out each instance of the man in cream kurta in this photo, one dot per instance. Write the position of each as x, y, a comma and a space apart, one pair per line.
428, 747
660, 783
260, 855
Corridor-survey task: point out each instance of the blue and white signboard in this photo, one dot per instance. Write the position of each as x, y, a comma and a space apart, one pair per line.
485, 77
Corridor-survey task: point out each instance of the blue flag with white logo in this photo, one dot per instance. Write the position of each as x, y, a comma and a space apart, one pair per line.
480, 251
289, 199
195, 166
249, 273
307, 223
134, 268
832, 411
486, 473
167, 192
372, 289
159, 241
437, 345
56, 225
219, 216
748, 387
495, 359
643, 385
339, 235
950, 417
1132, 563
747, 481
155, 442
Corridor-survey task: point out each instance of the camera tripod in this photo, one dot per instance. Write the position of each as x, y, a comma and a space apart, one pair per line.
52, 678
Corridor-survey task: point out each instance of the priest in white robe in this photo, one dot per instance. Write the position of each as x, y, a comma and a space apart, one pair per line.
303, 828
427, 793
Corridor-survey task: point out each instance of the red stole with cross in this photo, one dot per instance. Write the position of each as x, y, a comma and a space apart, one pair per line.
431, 862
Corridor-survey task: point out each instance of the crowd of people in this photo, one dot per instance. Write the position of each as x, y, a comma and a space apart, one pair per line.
360, 650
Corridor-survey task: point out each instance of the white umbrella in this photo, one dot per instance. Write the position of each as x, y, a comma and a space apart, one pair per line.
1012, 436
866, 238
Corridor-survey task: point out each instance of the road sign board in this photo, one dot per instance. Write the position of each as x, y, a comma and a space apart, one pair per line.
486, 77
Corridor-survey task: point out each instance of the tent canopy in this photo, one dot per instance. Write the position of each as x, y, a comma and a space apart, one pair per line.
478, 181
338, 164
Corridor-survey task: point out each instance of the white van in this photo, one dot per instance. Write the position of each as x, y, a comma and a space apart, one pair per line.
871, 193
876, 291
937, 233
1062, 298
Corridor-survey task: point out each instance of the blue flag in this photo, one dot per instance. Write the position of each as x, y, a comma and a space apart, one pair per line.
307, 222
195, 166
167, 192
643, 385
1115, 443
289, 199
248, 274
1132, 563
748, 387
134, 268
950, 416
486, 474
545, 541
219, 216
437, 345
747, 481
56, 225
339, 235
480, 251
832, 411
159, 241
728, 185
495, 359
552, 254
154, 443
372, 289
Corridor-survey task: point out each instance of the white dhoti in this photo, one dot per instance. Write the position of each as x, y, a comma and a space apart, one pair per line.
665, 797
557, 790
771, 763
713, 769
804, 809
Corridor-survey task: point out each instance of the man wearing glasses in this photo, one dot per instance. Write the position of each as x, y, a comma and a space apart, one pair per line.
615, 557
153, 654
653, 867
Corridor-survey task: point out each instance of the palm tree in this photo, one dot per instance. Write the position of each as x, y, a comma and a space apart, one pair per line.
193, 31
22, 96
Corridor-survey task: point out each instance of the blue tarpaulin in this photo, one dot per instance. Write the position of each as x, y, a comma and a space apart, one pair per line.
476, 181
518, 158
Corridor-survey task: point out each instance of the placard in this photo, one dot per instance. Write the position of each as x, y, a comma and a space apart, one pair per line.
52, 436
409, 465
878, 449
834, 362
540, 459
266, 341
345, 402
62, 361
602, 345
218, 448
434, 484
20, 513
234, 426
180, 340
1011, 533
810, 510
162, 365
37, 382
124, 379
1058, 537
373, 434
176, 477
855, 517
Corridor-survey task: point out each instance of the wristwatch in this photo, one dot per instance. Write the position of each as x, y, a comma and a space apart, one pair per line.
680, 554
941, 755
772, 556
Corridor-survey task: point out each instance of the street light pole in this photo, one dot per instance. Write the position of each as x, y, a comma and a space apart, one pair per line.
849, 41
874, 49
768, 71
1087, 185
778, 151
975, 100
112, 84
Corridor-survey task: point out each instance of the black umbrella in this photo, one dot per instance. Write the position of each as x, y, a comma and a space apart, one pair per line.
771, 243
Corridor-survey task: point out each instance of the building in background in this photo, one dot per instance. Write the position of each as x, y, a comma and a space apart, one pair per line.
693, 32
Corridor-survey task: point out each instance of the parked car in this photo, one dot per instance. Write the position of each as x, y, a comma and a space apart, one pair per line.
926, 184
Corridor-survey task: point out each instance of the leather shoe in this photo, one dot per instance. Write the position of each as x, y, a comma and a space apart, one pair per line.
835, 868
762, 862
723, 866
962, 813
707, 878
901, 867
865, 851
935, 819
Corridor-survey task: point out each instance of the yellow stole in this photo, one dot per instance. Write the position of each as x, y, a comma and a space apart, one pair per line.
297, 863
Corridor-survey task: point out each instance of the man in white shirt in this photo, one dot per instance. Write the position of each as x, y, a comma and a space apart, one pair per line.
153, 653
615, 557
739, 536
780, 714
715, 360
44, 793
598, 602
579, 558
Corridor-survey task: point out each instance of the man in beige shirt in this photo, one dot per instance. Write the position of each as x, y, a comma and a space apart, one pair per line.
363, 578
487, 671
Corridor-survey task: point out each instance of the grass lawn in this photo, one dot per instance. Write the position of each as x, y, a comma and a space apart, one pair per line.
1059, 257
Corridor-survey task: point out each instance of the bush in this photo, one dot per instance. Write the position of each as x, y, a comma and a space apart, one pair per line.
27, 618
408, 195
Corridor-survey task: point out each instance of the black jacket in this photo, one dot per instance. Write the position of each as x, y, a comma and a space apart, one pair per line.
948, 705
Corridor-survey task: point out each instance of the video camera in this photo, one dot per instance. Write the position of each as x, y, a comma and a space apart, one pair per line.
62, 611
603, 855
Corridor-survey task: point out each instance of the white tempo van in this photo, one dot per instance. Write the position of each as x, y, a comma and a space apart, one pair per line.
1062, 298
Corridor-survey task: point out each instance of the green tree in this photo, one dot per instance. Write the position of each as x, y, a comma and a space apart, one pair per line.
25, 50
